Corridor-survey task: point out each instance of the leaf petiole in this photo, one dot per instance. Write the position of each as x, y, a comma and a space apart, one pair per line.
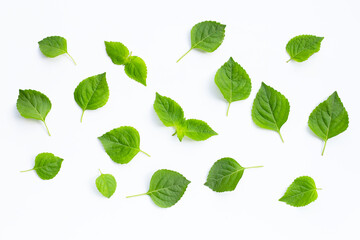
47, 129
71, 58
144, 153
184, 55
227, 112
253, 167
137, 195
82, 115
322, 154
28, 170
289, 60
281, 136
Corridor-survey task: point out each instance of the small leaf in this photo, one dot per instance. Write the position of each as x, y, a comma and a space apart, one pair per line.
270, 109
329, 119
206, 36
301, 47
122, 144
198, 130
47, 165
33, 104
54, 46
225, 174
106, 184
117, 52
136, 69
233, 82
92, 93
301, 192
166, 188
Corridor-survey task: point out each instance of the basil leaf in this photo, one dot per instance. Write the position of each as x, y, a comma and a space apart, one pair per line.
33, 104
329, 119
117, 52
166, 188
54, 46
136, 69
301, 192
206, 36
47, 165
300, 48
198, 130
233, 82
92, 93
122, 144
270, 109
225, 174
106, 184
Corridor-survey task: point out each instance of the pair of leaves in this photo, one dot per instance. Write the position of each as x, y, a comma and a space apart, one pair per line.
47, 165
172, 115
206, 36
329, 119
54, 46
106, 184
233, 82
301, 47
225, 174
122, 144
301, 192
166, 188
270, 109
135, 67
92, 93
33, 104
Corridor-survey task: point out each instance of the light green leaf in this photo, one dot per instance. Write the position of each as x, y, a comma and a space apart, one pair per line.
198, 130
106, 184
270, 109
233, 82
301, 47
136, 69
225, 174
54, 46
206, 36
301, 192
122, 144
329, 119
117, 52
92, 93
166, 188
47, 165
33, 104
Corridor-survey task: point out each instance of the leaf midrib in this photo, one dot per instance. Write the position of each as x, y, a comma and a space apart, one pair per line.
158, 190
42, 119
301, 193
216, 180
96, 87
203, 39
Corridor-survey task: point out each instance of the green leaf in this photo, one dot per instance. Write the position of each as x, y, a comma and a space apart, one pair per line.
198, 130
225, 174
233, 82
122, 144
47, 165
33, 104
54, 46
329, 119
301, 192
166, 188
106, 184
206, 36
301, 47
270, 109
136, 69
117, 52
92, 93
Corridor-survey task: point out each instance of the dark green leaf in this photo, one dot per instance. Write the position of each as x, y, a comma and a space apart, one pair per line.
300, 48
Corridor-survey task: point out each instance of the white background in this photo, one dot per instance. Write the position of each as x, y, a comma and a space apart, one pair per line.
70, 207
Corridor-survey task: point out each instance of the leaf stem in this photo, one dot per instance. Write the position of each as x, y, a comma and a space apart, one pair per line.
100, 171
137, 195
174, 133
184, 55
289, 60
144, 153
71, 58
281, 136
47, 129
254, 167
322, 154
319, 189
227, 112
82, 115
28, 170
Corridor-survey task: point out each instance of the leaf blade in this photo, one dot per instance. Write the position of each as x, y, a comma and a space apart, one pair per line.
198, 130
106, 184
301, 47
117, 52
47, 165
136, 69
207, 35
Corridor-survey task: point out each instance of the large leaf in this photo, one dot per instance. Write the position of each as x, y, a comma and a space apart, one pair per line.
270, 109
301, 192
197, 130
300, 48
329, 119
117, 52
47, 165
106, 184
33, 104
92, 93
136, 69
166, 188
54, 46
122, 144
169, 111
233, 82
206, 36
